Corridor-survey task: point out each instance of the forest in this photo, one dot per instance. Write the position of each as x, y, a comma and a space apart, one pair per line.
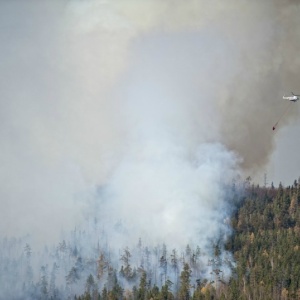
260, 260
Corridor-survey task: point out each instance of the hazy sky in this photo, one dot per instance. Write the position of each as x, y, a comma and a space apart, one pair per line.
92, 91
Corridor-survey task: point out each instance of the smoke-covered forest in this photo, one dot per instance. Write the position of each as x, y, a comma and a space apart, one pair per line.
127, 129
259, 260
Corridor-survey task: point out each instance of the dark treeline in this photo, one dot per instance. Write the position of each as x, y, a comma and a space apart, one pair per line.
261, 260
266, 248
266, 244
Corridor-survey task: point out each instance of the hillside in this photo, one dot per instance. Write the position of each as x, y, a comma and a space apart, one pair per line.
266, 244
266, 248
260, 260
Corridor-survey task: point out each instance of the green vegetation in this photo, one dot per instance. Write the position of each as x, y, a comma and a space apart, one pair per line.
260, 260
265, 245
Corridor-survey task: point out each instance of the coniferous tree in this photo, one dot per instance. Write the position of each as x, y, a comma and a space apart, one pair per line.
101, 266
53, 292
90, 285
72, 277
175, 266
184, 291
104, 294
43, 283
163, 264
142, 291
126, 269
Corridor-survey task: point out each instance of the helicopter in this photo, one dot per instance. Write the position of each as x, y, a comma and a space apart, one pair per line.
293, 98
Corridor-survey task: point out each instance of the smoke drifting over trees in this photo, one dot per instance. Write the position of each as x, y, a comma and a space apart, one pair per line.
137, 115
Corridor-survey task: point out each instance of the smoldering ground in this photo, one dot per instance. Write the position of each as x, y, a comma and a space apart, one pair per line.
156, 103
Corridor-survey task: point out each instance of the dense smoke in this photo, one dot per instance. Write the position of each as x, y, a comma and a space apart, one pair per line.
139, 114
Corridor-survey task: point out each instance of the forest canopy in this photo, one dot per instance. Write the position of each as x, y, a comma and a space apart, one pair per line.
262, 260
